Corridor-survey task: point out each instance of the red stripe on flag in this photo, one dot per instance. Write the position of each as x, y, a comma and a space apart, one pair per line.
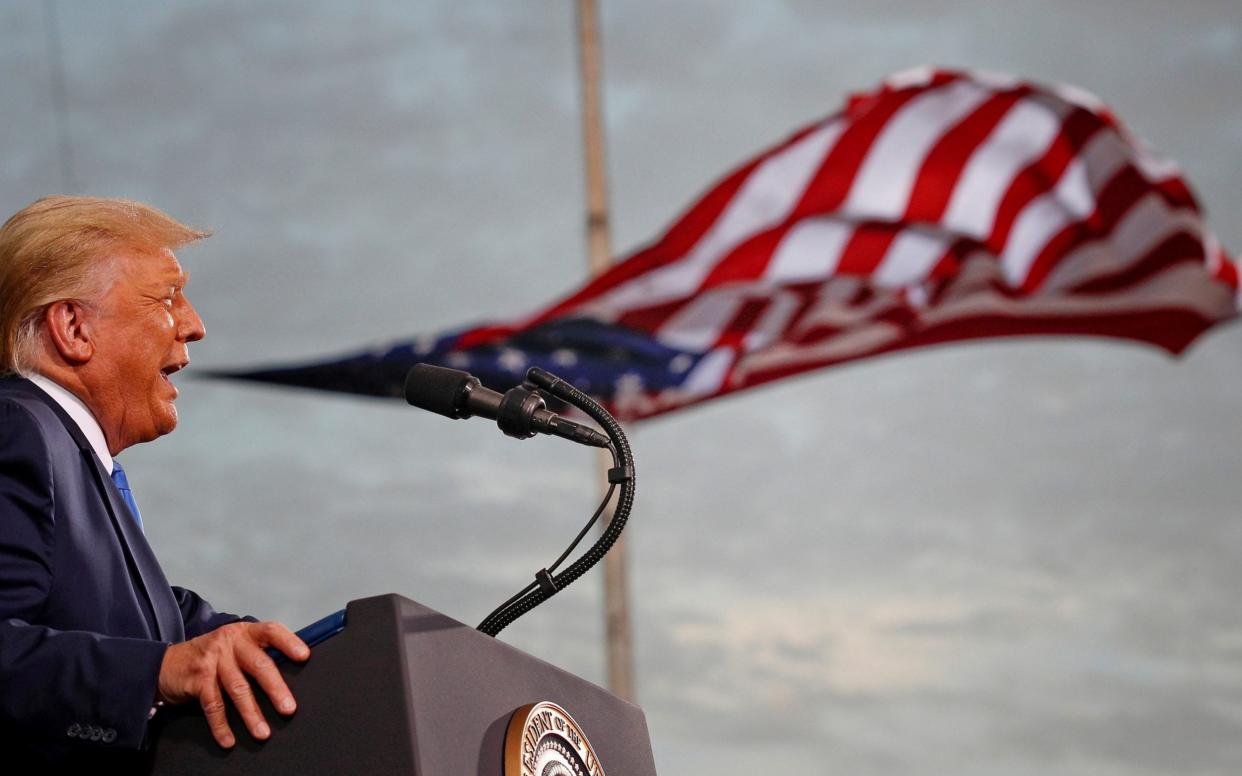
857, 104
832, 182
866, 248
1123, 190
1039, 176
650, 319
950, 263
1176, 192
484, 335
741, 324
1227, 272
1051, 254
943, 166
748, 260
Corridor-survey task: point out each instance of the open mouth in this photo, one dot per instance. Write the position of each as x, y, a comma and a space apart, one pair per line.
166, 372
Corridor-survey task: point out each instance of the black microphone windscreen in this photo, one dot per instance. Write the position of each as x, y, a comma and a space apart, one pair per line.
436, 388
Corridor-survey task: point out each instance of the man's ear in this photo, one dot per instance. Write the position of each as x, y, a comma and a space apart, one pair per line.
69, 331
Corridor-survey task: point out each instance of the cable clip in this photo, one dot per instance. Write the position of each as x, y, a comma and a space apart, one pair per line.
546, 583
620, 474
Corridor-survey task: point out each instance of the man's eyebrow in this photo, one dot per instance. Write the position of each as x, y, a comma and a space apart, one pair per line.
174, 280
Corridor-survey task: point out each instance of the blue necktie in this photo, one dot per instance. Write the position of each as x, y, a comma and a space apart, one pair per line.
122, 484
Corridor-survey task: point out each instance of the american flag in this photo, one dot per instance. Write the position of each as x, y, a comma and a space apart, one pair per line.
942, 206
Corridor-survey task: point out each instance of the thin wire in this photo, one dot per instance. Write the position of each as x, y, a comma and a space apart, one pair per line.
534, 585
59, 95
585, 529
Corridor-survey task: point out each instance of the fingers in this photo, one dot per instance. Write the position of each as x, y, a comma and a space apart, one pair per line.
273, 634
237, 686
217, 720
256, 663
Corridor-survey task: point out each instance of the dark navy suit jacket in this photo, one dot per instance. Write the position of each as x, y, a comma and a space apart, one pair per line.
85, 611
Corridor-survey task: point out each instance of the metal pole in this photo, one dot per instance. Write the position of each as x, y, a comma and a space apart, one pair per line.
59, 94
599, 254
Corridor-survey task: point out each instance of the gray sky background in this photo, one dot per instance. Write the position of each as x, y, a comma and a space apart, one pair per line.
1012, 557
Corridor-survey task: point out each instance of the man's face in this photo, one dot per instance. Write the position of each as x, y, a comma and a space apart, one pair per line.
141, 327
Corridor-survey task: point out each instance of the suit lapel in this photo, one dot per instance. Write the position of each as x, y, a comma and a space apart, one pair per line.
144, 567
162, 612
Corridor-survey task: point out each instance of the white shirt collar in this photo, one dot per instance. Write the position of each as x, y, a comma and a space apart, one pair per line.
80, 414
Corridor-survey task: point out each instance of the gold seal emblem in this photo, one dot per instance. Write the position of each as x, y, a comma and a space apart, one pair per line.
543, 740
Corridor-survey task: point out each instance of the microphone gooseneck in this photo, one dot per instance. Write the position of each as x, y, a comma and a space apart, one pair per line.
621, 476
521, 412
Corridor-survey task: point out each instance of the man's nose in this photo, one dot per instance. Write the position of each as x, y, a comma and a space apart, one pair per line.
189, 326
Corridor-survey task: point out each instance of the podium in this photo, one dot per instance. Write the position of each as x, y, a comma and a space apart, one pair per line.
406, 691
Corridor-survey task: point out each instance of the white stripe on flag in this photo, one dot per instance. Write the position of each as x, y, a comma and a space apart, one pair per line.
1214, 252
1153, 166
697, 325
1026, 132
882, 187
1039, 220
915, 76
1001, 82
708, 375
1106, 154
909, 259
1146, 224
1076, 95
809, 251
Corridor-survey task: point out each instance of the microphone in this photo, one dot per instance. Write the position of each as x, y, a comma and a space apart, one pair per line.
520, 412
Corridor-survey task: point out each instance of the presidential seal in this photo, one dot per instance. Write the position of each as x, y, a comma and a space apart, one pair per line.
543, 740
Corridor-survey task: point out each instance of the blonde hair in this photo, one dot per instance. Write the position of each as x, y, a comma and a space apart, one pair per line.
61, 248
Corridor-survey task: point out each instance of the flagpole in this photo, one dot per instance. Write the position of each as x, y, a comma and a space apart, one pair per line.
618, 634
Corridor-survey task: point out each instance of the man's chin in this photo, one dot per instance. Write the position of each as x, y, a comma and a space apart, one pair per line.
165, 420
168, 421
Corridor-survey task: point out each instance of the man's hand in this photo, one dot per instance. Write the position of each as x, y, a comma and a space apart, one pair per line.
219, 661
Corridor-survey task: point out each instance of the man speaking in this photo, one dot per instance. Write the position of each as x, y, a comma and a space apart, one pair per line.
94, 321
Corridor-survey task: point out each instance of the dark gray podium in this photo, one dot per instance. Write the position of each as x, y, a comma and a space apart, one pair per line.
407, 691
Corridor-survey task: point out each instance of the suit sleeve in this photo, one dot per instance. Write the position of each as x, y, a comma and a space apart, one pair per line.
198, 616
56, 681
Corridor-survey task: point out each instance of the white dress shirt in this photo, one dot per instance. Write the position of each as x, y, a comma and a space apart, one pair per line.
81, 415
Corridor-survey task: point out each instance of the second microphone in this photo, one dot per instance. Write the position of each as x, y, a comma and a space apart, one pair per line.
520, 412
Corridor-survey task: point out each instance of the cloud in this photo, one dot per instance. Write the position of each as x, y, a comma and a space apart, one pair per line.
1002, 558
